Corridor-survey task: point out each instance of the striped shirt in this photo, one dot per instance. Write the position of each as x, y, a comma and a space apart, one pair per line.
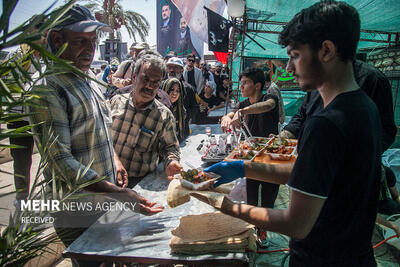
76, 111
142, 136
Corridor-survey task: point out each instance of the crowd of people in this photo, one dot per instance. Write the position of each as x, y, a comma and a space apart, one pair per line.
194, 103
135, 117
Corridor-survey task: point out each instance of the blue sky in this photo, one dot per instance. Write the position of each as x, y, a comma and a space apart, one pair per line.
27, 8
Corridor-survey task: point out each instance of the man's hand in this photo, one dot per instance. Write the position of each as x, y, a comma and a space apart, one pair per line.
145, 206
122, 175
126, 82
284, 134
173, 168
236, 120
229, 171
225, 123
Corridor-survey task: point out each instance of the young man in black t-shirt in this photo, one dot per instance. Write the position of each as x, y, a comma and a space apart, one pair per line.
334, 183
263, 124
210, 101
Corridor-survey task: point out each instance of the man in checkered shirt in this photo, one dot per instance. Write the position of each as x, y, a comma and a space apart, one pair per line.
81, 149
143, 128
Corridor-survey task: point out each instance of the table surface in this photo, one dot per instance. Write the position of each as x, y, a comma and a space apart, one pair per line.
219, 112
131, 237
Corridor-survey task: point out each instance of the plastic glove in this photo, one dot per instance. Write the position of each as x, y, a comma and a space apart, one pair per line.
229, 171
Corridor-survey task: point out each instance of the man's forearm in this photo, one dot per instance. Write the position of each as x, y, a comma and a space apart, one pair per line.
229, 115
103, 187
269, 219
258, 108
271, 173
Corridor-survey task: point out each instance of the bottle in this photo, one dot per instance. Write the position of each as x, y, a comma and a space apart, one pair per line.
222, 143
213, 140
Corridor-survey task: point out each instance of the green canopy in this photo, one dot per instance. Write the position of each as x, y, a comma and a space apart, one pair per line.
264, 19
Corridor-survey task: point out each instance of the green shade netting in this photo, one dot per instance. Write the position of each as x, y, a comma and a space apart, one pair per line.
375, 15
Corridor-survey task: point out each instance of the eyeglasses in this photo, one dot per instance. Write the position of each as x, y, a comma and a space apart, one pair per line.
191, 60
152, 83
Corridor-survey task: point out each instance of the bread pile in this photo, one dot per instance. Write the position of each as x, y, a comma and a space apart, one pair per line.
212, 233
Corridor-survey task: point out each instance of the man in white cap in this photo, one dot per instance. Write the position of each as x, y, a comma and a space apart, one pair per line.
123, 76
175, 70
74, 109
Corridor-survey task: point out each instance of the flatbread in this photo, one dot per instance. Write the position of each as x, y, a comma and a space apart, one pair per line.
209, 226
238, 243
178, 195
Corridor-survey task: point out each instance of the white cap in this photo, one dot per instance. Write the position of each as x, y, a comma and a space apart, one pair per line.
175, 61
212, 84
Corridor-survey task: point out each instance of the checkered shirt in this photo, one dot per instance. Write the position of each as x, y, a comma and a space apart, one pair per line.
77, 112
142, 136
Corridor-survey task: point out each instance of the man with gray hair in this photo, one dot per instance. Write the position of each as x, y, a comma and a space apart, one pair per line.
75, 110
123, 76
143, 128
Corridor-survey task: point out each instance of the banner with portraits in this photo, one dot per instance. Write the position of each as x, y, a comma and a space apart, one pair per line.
173, 33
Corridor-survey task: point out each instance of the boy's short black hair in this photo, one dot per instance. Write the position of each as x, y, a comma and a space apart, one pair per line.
191, 56
325, 20
254, 74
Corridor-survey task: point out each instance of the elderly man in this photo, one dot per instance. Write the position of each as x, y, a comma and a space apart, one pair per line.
75, 110
123, 76
207, 75
193, 75
218, 74
175, 69
143, 128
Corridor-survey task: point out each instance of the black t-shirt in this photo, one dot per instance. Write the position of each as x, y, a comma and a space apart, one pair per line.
190, 75
339, 157
265, 123
212, 101
221, 89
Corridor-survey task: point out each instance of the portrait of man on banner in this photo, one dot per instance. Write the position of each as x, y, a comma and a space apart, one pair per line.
167, 26
184, 40
174, 33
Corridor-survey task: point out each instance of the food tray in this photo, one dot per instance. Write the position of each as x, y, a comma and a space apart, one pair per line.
259, 140
290, 150
200, 186
231, 156
246, 146
217, 158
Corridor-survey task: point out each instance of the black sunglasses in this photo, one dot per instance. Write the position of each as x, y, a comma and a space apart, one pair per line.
191, 60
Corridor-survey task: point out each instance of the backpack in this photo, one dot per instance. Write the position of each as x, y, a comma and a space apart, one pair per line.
126, 68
